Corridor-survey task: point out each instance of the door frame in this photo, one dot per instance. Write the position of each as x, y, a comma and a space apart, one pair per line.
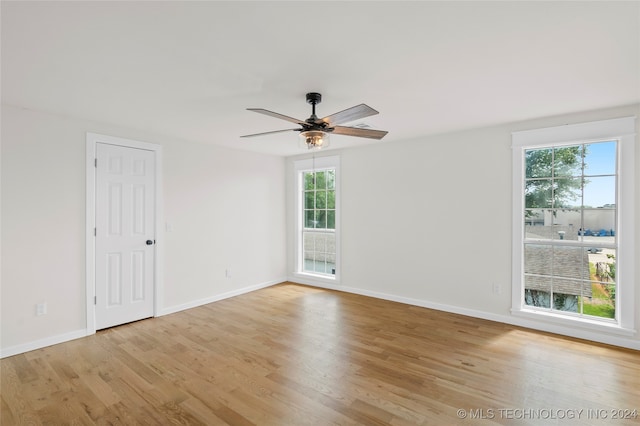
90, 219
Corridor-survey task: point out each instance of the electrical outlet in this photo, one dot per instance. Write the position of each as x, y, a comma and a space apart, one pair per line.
497, 288
227, 272
41, 309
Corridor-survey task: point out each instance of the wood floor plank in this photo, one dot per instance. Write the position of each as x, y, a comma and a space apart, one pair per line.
17, 407
297, 355
6, 415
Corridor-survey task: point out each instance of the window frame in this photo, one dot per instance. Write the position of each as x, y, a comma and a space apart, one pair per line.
308, 165
621, 130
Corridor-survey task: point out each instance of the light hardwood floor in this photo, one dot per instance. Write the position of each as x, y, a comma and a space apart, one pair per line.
295, 355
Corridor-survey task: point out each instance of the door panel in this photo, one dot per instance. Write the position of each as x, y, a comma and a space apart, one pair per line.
125, 221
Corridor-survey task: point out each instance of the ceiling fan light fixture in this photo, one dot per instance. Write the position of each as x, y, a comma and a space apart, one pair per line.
314, 131
314, 139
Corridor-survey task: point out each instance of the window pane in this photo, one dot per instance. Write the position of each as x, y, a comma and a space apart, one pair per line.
567, 192
587, 291
321, 243
308, 181
309, 198
568, 286
308, 244
537, 259
567, 224
565, 302
567, 161
599, 223
537, 291
610, 300
600, 298
538, 193
331, 199
309, 219
538, 163
603, 265
321, 219
602, 302
600, 191
600, 158
321, 199
329, 256
320, 266
553, 224
321, 181
570, 262
331, 179
534, 217
331, 219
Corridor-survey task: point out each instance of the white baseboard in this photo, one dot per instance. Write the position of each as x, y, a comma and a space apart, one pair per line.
517, 321
61, 338
506, 319
42, 343
217, 297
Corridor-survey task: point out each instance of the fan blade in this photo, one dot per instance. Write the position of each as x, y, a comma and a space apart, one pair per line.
349, 114
276, 115
358, 132
268, 133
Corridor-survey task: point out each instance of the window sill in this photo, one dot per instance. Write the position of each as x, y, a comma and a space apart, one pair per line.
564, 320
315, 279
318, 276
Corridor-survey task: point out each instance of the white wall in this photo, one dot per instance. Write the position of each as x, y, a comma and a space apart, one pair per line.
226, 208
440, 208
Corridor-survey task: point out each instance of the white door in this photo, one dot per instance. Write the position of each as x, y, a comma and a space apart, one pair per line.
125, 240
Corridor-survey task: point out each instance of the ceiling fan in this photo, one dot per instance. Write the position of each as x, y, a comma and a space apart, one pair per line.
315, 131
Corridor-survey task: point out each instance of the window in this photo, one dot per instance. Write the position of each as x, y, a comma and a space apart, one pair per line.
317, 242
573, 192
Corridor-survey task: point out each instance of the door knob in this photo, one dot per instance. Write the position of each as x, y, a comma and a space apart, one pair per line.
149, 242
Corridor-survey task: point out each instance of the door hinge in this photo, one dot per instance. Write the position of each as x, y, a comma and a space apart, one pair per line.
95, 232
95, 162
95, 300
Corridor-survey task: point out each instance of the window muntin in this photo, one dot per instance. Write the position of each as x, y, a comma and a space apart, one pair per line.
319, 222
570, 229
622, 214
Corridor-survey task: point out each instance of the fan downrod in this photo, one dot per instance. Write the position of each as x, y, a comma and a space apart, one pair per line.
313, 98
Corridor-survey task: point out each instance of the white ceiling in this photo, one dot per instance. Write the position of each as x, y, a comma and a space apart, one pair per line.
189, 69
